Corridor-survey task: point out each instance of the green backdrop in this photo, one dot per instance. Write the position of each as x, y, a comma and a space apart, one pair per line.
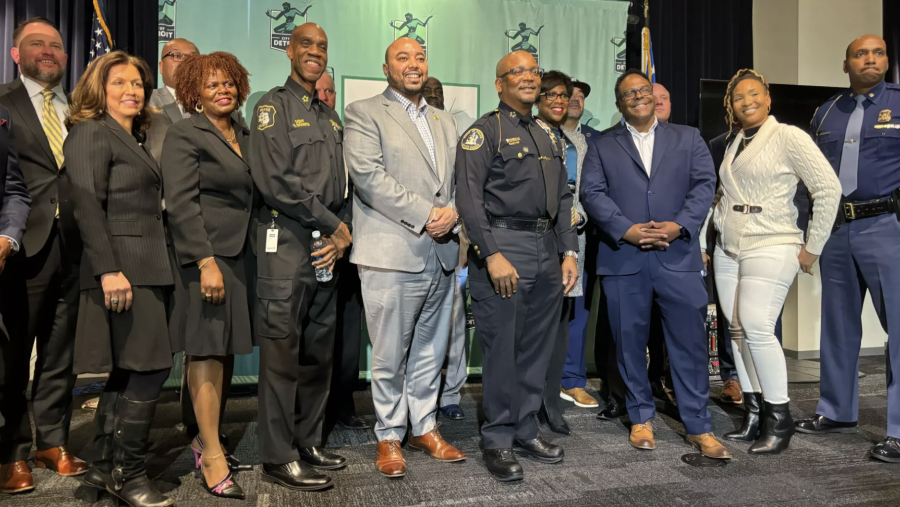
464, 39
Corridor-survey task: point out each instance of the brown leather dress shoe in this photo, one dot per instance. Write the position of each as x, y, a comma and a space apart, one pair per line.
390, 460
731, 393
15, 478
708, 446
61, 461
435, 445
641, 436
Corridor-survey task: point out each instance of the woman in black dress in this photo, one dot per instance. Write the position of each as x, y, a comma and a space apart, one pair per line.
126, 274
209, 195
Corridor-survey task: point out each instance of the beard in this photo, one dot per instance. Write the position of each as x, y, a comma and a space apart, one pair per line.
32, 70
397, 83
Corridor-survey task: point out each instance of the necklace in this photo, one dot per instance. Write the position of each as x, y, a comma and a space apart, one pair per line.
233, 136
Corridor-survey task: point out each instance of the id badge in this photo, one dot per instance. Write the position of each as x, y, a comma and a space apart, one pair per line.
271, 240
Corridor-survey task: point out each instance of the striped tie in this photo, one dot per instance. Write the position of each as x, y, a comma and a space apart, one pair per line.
52, 127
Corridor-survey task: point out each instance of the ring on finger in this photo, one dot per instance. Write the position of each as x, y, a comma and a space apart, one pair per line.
114, 301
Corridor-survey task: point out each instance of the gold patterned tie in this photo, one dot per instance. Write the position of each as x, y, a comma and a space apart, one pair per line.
52, 127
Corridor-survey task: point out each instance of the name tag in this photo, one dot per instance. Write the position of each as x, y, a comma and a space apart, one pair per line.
271, 240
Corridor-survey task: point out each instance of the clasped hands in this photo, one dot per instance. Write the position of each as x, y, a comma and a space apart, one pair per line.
653, 235
442, 221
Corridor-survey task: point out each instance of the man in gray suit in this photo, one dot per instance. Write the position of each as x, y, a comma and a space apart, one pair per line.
400, 155
171, 56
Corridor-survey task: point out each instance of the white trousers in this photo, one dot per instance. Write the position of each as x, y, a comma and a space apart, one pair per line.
752, 288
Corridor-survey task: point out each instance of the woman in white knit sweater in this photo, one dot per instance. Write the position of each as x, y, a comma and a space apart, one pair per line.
759, 247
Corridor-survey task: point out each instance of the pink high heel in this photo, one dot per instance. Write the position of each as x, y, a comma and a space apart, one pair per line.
234, 464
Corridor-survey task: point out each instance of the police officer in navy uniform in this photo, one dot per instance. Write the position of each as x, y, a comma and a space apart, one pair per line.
513, 196
858, 130
296, 160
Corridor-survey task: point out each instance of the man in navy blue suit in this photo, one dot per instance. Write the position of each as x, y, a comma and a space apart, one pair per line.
648, 187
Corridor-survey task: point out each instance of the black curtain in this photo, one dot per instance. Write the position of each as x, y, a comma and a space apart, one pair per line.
694, 40
890, 19
133, 24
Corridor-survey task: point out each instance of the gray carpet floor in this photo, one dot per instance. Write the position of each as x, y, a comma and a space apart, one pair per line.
600, 467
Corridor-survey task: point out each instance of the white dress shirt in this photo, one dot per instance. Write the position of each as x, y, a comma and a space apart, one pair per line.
644, 143
60, 103
172, 91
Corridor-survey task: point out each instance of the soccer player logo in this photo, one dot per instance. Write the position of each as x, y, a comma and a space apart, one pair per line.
166, 20
412, 24
280, 33
619, 51
525, 43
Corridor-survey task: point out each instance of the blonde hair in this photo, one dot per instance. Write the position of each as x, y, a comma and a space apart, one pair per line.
89, 97
729, 94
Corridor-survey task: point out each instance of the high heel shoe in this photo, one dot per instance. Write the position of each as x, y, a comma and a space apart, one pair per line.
234, 464
226, 488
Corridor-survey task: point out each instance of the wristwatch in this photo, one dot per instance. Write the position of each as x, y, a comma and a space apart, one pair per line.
459, 224
571, 253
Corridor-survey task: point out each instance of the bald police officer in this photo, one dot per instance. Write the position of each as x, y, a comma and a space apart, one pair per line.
296, 160
859, 132
513, 195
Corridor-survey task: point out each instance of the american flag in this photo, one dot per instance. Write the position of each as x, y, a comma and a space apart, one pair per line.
101, 39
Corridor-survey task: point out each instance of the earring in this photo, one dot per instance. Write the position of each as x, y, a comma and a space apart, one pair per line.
198, 108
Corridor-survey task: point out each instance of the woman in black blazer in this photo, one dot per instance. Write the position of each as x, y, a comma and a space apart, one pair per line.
209, 195
126, 274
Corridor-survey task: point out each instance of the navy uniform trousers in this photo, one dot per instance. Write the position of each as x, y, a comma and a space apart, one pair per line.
861, 255
682, 300
517, 334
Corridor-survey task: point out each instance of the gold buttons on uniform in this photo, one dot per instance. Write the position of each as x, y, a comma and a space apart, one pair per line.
520, 155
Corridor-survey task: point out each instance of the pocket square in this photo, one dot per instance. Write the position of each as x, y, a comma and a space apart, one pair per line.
2, 123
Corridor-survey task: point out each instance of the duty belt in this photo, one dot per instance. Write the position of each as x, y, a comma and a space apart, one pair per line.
747, 209
539, 225
866, 209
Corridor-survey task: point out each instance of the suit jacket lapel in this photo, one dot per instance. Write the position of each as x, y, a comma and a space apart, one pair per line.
660, 142
130, 141
22, 102
395, 109
215, 137
623, 136
440, 151
170, 106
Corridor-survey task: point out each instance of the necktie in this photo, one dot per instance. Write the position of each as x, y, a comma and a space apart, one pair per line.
551, 188
52, 127
850, 153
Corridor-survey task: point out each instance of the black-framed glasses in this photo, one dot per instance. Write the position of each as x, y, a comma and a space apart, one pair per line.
632, 94
519, 71
551, 96
176, 55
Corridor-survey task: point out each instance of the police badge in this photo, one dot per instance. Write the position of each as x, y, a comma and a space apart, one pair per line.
265, 117
884, 116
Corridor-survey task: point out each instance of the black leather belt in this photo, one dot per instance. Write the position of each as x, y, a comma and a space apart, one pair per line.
539, 225
866, 209
747, 209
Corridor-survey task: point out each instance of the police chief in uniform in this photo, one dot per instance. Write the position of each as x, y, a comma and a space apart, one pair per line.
859, 132
513, 195
296, 160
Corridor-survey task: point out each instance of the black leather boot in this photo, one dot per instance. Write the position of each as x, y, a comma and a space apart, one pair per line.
777, 429
749, 429
100, 455
130, 483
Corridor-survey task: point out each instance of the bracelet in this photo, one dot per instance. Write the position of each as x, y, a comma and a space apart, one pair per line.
204, 262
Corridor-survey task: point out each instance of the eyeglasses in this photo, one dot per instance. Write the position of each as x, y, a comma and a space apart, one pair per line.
632, 94
519, 71
551, 96
177, 55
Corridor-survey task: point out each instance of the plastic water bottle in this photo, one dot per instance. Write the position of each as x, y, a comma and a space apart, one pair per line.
318, 243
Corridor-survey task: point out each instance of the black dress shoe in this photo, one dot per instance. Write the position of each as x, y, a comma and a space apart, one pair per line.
503, 465
887, 450
295, 475
554, 420
353, 422
539, 450
777, 429
318, 457
749, 430
613, 411
453, 412
821, 424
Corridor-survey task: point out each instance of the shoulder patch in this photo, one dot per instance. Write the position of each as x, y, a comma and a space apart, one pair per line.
265, 117
472, 139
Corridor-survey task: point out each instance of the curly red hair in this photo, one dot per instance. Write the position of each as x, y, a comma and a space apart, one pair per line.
195, 69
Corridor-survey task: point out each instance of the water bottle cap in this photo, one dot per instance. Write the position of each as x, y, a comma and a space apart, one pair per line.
316, 234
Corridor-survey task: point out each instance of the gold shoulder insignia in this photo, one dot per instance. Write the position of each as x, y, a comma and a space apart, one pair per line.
472, 140
335, 125
265, 117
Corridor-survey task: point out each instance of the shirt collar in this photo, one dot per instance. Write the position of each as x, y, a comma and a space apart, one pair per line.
172, 91
634, 131
514, 115
874, 94
421, 108
34, 89
306, 98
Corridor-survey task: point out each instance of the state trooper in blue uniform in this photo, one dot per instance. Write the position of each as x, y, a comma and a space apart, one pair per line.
859, 132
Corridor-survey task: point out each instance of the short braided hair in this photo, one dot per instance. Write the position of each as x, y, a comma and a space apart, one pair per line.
729, 94
190, 76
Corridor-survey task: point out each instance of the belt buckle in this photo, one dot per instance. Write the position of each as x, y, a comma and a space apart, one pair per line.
849, 211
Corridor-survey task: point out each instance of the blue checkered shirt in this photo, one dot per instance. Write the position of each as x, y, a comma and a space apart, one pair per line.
419, 118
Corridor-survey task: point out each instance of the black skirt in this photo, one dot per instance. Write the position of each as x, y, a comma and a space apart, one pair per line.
136, 339
203, 329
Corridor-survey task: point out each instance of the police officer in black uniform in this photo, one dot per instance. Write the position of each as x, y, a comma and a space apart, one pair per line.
296, 159
513, 196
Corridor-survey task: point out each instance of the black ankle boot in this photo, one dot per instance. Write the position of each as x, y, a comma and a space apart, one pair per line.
100, 454
777, 429
749, 429
132, 439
